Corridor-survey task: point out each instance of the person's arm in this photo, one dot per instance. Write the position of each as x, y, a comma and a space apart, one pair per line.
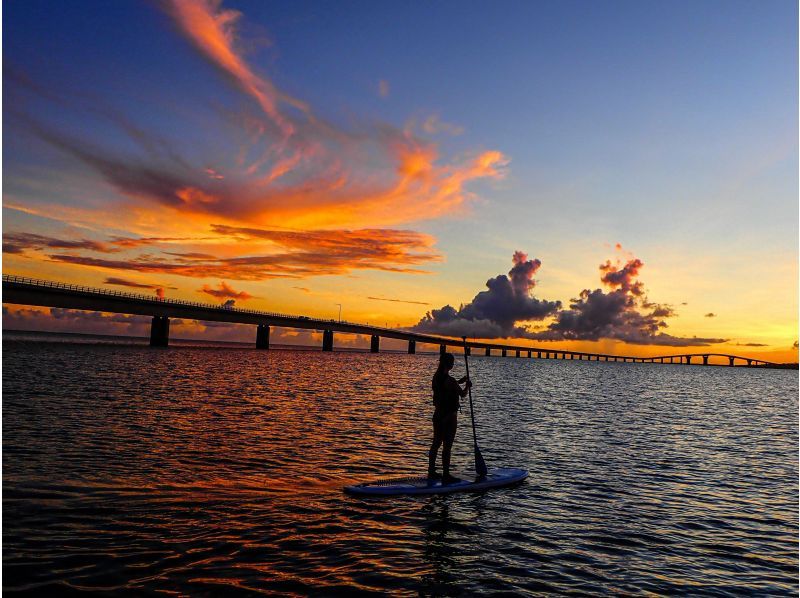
456, 388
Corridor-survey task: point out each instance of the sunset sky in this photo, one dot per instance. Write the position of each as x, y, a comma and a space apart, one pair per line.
603, 176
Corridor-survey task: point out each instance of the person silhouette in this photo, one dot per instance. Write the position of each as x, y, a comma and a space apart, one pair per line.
446, 394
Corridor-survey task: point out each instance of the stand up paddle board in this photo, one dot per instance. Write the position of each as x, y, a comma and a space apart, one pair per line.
495, 478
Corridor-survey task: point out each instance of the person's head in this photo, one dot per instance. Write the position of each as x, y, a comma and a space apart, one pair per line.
446, 361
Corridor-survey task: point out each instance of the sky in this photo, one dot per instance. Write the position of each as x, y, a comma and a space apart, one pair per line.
618, 177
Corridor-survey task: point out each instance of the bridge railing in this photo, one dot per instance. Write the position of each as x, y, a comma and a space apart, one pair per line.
36, 282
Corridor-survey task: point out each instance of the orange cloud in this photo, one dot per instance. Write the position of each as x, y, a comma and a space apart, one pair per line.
301, 197
225, 291
280, 254
212, 31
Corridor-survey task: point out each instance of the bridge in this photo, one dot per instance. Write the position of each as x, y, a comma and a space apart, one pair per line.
45, 293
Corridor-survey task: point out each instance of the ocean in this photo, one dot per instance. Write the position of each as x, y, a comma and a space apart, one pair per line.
202, 470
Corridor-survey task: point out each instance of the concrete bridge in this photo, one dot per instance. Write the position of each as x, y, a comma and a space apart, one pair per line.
30, 291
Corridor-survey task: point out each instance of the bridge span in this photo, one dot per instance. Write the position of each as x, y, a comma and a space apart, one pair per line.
45, 293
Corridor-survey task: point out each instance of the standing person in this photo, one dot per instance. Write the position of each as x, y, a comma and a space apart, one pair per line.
446, 394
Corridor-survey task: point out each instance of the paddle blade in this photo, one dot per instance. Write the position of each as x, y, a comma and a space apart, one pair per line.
480, 464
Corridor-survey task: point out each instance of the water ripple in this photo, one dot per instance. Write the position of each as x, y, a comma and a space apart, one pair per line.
198, 471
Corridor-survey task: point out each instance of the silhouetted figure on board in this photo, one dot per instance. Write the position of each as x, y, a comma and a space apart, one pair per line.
446, 397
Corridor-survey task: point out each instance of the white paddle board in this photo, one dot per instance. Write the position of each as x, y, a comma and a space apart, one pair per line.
495, 478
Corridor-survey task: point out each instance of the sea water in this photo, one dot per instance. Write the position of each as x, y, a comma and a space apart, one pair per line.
203, 470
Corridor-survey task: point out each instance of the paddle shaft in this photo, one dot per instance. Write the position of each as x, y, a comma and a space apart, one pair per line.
480, 464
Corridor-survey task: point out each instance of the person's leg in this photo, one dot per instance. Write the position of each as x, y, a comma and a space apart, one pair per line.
437, 442
450, 423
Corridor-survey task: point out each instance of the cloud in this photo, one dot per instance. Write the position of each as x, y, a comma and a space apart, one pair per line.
494, 313
293, 254
622, 313
225, 291
17, 243
383, 88
622, 278
433, 125
347, 192
710, 315
89, 322
212, 31
65, 320
750, 344
303, 289
392, 178
295, 168
123, 282
398, 300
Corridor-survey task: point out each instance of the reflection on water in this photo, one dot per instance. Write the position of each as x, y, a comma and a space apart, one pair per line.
198, 471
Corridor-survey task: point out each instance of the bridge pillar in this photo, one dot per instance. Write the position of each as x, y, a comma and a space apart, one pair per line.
517, 353
503, 352
327, 340
529, 354
688, 360
467, 351
262, 336
412, 347
730, 361
442, 349
374, 344
488, 352
159, 331
749, 362
538, 354
705, 359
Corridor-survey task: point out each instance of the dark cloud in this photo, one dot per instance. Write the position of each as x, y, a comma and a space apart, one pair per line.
624, 277
131, 242
750, 344
398, 300
494, 313
21, 242
123, 282
711, 315
795, 345
620, 314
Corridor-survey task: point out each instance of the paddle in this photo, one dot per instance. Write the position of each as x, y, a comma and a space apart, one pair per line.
480, 464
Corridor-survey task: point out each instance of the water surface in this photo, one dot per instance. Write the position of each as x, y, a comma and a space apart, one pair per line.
201, 470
